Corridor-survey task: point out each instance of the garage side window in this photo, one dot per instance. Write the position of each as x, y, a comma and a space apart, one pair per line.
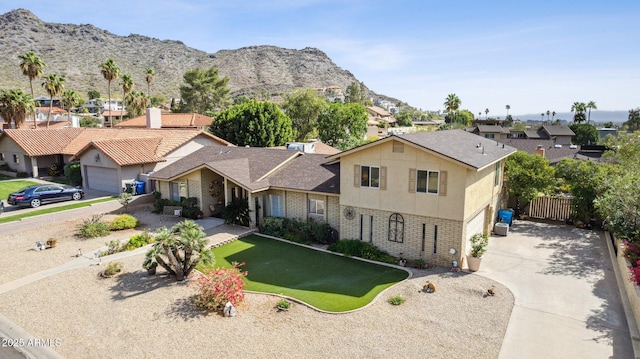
16, 159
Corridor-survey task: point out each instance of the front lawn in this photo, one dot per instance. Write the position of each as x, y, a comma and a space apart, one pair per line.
323, 280
7, 187
11, 217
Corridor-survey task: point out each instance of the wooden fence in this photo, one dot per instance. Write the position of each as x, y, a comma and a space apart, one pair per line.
555, 208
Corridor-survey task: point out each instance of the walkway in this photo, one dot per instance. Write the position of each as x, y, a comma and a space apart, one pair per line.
567, 303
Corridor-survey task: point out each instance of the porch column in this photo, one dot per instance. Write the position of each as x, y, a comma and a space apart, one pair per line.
34, 166
252, 210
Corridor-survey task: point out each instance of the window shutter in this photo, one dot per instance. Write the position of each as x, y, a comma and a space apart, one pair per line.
383, 178
412, 180
356, 176
443, 184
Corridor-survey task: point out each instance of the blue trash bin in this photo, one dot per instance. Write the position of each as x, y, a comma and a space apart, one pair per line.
139, 187
505, 216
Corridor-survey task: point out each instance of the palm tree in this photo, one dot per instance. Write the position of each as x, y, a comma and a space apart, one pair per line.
138, 101
70, 99
578, 109
149, 74
110, 71
508, 108
542, 118
127, 86
32, 67
15, 105
591, 105
486, 114
548, 113
553, 114
451, 105
54, 85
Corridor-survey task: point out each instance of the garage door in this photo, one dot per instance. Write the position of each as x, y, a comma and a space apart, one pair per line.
103, 179
475, 225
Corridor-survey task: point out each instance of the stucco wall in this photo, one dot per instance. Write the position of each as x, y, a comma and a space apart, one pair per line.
186, 149
8, 147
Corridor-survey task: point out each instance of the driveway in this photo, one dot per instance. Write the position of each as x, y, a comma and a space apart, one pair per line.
567, 303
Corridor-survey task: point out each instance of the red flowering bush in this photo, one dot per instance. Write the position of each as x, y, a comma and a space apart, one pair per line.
632, 253
635, 273
219, 286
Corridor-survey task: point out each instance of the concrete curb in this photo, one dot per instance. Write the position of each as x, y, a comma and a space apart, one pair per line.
27, 345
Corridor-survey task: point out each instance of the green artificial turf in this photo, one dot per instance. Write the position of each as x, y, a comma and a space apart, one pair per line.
8, 187
323, 280
6, 217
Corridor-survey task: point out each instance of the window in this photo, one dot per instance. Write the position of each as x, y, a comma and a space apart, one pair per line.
1, 156
178, 190
316, 206
276, 206
369, 176
428, 182
396, 228
489, 135
496, 176
16, 159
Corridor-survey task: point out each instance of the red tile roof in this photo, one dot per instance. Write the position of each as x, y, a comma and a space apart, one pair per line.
130, 151
171, 120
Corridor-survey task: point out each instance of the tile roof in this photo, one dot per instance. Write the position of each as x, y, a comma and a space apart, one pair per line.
130, 151
114, 113
43, 142
378, 111
558, 130
171, 120
28, 125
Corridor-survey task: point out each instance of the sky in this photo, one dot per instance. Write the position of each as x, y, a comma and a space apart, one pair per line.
531, 55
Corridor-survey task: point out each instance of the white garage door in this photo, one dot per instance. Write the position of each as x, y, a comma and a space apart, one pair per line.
475, 225
103, 179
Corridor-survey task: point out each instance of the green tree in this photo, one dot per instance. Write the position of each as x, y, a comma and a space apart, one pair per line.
137, 101
407, 115
633, 122
15, 106
127, 86
32, 67
527, 176
356, 93
486, 113
54, 85
508, 108
256, 124
585, 134
583, 179
464, 118
93, 94
303, 107
591, 105
608, 124
579, 109
204, 91
110, 71
451, 105
508, 121
70, 99
343, 125
148, 77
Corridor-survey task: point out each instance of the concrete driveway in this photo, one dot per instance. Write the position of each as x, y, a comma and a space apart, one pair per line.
567, 303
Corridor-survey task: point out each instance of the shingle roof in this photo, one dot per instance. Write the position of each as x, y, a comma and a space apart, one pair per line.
552, 153
558, 130
534, 134
170, 120
492, 129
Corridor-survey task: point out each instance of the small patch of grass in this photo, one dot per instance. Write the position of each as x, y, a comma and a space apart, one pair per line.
17, 217
396, 300
61, 180
8, 187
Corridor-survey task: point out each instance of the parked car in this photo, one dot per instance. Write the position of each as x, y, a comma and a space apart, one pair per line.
34, 196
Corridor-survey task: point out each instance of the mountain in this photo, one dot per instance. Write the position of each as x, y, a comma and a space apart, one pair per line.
78, 50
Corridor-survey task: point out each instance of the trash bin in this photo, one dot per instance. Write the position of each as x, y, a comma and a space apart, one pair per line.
505, 216
129, 188
139, 187
501, 229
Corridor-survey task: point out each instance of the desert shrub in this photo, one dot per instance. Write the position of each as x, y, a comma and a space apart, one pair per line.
137, 241
112, 247
396, 300
356, 248
113, 268
216, 288
22, 175
94, 227
192, 212
283, 304
159, 203
123, 221
73, 173
420, 264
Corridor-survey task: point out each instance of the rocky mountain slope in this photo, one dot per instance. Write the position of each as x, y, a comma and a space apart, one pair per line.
78, 50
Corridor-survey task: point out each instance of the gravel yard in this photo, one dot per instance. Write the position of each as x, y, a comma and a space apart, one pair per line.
134, 315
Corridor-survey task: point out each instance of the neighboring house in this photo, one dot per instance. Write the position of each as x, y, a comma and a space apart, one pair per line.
168, 120
313, 146
561, 135
544, 147
413, 195
493, 132
380, 115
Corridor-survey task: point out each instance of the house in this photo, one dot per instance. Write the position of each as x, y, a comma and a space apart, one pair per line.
561, 135
490, 131
413, 195
380, 115
547, 148
168, 120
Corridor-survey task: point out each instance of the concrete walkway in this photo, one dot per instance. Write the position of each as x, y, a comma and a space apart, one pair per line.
567, 303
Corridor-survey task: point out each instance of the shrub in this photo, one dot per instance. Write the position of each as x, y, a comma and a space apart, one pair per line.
123, 221
159, 202
283, 304
479, 243
295, 230
273, 226
113, 268
124, 198
222, 286
356, 248
236, 212
94, 227
296, 237
73, 173
54, 170
137, 241
192, 213
420, 264
396, 300
112, 247
22, 175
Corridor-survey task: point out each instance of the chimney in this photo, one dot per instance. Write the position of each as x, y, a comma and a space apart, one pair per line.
154, 118
539, 151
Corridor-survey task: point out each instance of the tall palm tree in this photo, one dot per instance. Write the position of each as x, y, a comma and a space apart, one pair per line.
578, 109
32, 67
486, 114
54, 85
542, 117
149, 74
137, 101
548, 113
110, 71
127, 86
70, 99
553, 114
508, 108
591, 105
451, 105
15, 106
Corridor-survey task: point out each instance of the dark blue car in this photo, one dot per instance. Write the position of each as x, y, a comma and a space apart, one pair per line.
34, 196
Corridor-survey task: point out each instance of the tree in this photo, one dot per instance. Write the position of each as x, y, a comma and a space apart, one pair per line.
578, 109
204, 91
464, 118
256, 124
137, 102
70, 99
356, 93
110, 71
15, 106
548, 113
486, 113
508, 108
542, 117
591, 105
32, 67
527, 176
553, 114
343, 125
148, 77
303, 107
585, 134
451, 105
608, 124
93, 94
407, 115
54, 85
508, 121
633, 122
179, 249
583, 179
127, 86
